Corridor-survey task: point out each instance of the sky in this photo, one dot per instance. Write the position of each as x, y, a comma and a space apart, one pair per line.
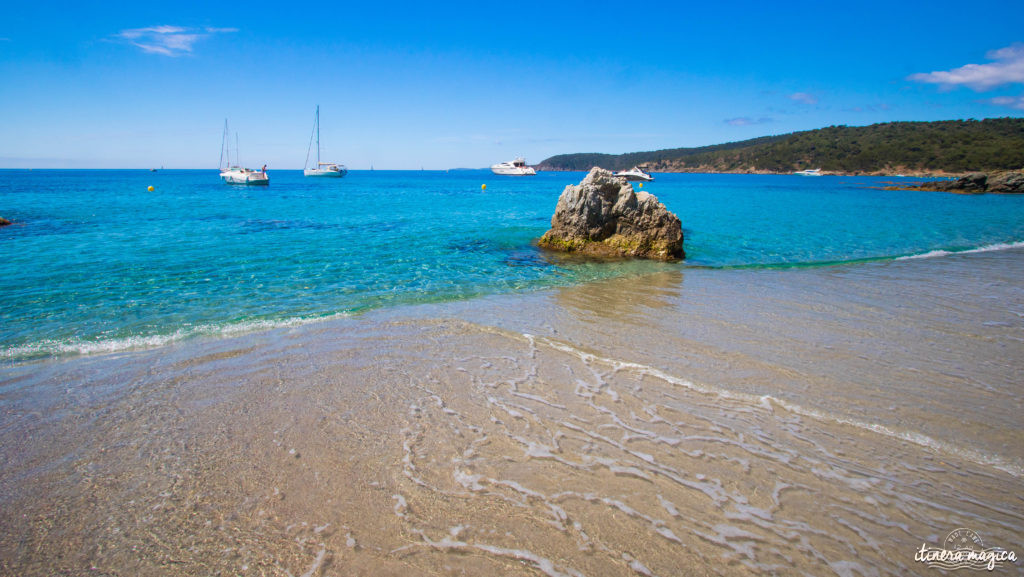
128, 84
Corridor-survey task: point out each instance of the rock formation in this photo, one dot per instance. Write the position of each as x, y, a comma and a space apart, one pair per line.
604, 216
1009, 181
1005, 182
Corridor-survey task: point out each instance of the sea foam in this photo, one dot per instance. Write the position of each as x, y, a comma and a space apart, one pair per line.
765, 401
987, 248
75, 347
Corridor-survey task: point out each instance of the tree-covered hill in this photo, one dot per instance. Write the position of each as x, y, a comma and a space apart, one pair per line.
951, 146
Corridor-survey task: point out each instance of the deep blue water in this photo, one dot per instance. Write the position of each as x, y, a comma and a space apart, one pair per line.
95, 262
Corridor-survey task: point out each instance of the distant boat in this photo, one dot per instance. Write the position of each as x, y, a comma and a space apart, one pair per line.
809, 172
321, 168
235, 174
515, 167
635, 173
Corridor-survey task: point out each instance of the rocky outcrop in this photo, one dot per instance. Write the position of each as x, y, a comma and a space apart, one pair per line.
1003, 182
1010, 181
604, 216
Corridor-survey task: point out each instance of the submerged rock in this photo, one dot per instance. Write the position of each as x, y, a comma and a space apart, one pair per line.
604, 216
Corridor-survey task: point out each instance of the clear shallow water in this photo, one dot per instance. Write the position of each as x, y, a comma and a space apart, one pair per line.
96, 263
746, 412
806, 421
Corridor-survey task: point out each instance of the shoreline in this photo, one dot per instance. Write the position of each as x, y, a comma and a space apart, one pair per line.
628, 426
707, 170
45, 351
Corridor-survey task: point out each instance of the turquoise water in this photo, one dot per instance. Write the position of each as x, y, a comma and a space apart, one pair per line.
96, 263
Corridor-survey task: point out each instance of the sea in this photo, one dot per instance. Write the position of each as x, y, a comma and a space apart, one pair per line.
383, 375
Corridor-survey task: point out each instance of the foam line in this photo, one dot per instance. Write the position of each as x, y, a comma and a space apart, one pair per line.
764, 402
60, 347
986, 248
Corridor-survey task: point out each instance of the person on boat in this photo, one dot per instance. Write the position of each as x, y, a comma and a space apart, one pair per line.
264, 169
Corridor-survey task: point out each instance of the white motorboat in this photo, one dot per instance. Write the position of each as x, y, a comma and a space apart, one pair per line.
809, 172
634, 174
234, 173
515, 167
321, 168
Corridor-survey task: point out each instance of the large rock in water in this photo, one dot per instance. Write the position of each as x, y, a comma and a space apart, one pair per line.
604, 216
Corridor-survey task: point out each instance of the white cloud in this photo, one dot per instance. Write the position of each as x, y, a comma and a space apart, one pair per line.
1008, 68
804, 98
168, 40
1016, 102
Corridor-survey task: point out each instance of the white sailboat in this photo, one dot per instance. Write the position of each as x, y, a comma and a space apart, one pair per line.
234, 173
321, 168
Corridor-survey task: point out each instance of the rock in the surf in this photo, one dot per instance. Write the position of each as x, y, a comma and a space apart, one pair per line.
604, 216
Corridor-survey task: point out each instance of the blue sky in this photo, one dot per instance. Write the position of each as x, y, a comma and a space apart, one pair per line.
460, 84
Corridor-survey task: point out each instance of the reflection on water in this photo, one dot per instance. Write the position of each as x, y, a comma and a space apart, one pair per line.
624, 298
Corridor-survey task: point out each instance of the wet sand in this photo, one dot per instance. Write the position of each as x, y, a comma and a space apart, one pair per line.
802, 421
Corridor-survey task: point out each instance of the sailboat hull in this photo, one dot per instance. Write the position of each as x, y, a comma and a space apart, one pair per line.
244, 176
325, 172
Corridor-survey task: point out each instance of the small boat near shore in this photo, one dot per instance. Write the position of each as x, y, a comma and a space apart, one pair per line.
809, 172
235, 173
331, 169
515, 167
634, 174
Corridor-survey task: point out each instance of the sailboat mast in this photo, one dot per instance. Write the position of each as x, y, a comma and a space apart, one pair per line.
223, 145
318, 136
237, 161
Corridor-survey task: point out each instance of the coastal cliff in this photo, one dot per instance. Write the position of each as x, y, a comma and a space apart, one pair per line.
604, 216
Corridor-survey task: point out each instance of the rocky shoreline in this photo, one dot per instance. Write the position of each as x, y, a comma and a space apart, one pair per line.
999, 182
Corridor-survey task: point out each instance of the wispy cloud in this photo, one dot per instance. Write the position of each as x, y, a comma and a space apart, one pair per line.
746, 121
804, 98
1015, 102
1007, 68
168, 40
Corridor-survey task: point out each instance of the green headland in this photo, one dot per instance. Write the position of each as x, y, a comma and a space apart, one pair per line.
912, 148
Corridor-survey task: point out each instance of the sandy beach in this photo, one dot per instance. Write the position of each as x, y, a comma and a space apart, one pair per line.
552, 290
817, 421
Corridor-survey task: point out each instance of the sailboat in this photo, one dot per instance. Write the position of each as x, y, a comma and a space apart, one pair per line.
234, 173
321, 168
